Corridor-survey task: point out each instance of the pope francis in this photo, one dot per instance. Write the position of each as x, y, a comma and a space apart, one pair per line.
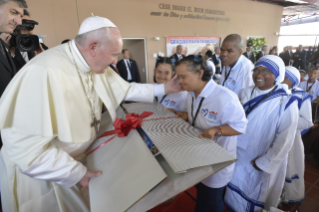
50, 114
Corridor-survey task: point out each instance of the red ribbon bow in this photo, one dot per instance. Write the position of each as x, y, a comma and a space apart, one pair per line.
133, 121
123, 128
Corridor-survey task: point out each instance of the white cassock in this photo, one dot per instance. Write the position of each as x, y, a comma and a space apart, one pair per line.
269, 137
240, 76
294, 189
311, 88
176, 101
46, 126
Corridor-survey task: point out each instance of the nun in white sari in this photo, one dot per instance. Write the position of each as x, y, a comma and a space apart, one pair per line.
262, 151
294, 189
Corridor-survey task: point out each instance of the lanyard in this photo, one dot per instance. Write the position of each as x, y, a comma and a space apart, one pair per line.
163, 99
255, 105
197, 111
308, 89
227, 75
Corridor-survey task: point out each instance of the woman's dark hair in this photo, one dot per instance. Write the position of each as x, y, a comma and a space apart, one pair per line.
195, 63
165, 60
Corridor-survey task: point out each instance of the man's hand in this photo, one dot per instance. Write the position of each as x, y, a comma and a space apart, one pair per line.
210, 133
172, 86
218, 65
6, 38
255, 165
86, 178
39, 51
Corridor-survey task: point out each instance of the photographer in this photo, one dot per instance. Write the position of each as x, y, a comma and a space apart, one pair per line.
11, 12
20, 58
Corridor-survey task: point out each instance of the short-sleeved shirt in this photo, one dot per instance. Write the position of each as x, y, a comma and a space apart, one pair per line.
311, 88
176, 101
240, 76
219, 107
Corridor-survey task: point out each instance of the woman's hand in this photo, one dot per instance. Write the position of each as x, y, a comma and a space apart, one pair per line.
182, 115
172, 110
209, 133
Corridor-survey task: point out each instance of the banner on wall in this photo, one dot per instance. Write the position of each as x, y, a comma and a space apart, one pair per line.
191, 45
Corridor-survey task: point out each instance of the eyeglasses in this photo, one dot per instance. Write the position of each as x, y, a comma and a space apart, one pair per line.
264, 71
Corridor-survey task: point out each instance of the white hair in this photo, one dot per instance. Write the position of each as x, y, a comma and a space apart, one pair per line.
216, 47
102, 36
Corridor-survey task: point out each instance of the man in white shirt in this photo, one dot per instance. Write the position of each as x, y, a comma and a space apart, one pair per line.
237, 71
128, 68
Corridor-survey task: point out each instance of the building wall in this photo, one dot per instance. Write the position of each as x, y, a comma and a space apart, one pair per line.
60, 19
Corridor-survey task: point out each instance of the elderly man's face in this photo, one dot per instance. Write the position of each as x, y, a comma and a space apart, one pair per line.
230, 53
10, 16
107, 53
179, 50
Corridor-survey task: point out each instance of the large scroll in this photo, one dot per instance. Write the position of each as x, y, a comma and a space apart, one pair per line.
133, 178
129, 169
177, 140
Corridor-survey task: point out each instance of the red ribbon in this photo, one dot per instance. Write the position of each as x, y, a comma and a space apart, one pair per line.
123, 128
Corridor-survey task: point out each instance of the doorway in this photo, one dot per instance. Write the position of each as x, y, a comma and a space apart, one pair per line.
137, 49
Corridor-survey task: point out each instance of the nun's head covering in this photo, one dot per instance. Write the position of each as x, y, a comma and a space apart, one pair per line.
294, 75
275, 65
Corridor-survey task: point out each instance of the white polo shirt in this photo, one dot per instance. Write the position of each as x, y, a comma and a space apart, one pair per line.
240, 77
314, 90
219, 107
176, 101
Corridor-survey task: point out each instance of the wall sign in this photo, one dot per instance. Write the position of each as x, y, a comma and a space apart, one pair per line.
176, 11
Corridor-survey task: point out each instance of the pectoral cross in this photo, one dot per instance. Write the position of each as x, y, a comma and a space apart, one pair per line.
95, 123
281, 100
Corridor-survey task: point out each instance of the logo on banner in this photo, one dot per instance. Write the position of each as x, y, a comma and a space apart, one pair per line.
212, 115
204, 112
172, 104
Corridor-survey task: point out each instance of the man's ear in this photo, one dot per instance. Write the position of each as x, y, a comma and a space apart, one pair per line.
92, 48
201, 73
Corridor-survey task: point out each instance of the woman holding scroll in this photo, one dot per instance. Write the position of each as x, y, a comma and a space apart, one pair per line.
217, 112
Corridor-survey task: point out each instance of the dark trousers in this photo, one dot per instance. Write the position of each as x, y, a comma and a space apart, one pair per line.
209, 199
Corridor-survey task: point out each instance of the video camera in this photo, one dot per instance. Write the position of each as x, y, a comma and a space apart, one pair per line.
26, 43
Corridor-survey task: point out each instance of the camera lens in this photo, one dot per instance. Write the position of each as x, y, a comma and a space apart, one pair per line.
26, 43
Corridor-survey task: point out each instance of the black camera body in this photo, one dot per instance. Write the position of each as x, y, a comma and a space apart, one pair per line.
25, 43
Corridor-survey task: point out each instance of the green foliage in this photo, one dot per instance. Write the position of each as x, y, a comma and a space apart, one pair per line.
257, 43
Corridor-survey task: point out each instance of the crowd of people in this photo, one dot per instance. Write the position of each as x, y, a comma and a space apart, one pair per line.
255, 107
